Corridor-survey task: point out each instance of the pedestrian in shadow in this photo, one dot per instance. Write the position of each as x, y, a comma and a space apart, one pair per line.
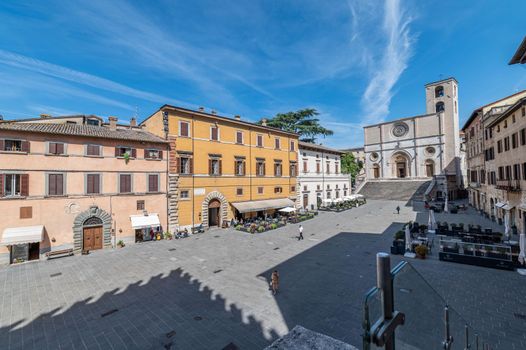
274, 282
398, 210
301, 233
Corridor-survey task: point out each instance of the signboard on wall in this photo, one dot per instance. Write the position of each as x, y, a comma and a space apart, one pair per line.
199, 191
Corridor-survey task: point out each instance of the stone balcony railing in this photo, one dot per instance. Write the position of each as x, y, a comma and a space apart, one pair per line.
509, 185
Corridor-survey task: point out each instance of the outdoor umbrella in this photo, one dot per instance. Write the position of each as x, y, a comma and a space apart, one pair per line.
287, 210
507, 224
522, 246
407, 239
446, 209
432, 222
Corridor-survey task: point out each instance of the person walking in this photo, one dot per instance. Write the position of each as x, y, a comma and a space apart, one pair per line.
301, 233
398, 209
274, 282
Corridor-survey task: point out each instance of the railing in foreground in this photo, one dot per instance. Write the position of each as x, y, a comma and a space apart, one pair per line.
403, 310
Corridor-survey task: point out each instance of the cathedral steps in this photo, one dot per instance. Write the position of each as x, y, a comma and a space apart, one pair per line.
398, 190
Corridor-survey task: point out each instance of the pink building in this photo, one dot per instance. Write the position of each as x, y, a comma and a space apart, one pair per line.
78, 183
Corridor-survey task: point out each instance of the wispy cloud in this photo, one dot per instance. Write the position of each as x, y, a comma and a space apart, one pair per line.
71, 75
386, 58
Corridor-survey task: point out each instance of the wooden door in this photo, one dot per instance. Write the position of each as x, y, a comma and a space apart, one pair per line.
305, 201
92, 238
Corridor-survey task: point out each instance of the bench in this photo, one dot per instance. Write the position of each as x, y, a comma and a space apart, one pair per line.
59, 253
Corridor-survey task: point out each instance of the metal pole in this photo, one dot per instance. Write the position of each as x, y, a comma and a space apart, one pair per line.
476, 341
466, 336
384, 282
447, 338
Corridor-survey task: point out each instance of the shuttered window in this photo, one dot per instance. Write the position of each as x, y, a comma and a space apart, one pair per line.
184, 129
214, 133
56, 148
55, 184
13, 185
125, 183
260, 140
153, 183
239, 137
277, 143
93, 183
93, 150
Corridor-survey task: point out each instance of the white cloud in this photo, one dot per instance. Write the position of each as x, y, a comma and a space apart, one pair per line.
386, 53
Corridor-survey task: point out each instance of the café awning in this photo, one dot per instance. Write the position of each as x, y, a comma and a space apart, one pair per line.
247, 207
288, 210
504, 206
22, 235
145, 221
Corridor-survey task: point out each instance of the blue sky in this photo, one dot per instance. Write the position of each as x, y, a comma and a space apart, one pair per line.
356, 62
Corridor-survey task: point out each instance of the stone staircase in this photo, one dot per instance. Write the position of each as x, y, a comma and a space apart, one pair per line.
398, 190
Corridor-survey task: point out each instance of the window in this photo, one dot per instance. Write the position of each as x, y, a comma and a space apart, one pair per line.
55, 185
260, 189
125, 183
185, 165
239, 191
239, 167
514, 139
508, 172
328, 194
93, 183
328, 168
337, 167
292, 145
499, 146
278, 189
318, 187
523, 137
26, 212
15, 146
501, 173
214, 167
14, 185
153, 182
318, 167
214, 133
328, 187
505, 123
516, 171
304, 188
292, 188
278, 169
439, 91
153, 154
293, 169
122, 150
524, 171
304, 166
140, 205
184, 129
259, 140
93, 150
239, 137
277, 144
260, 167
506, 143
185, 194
523, 111
94, 122
439, 107
513, 118
56, 148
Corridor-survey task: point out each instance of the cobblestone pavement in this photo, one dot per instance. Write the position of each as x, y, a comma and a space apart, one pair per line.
211, 290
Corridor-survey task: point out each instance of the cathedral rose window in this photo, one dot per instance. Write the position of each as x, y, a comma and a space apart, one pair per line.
400, 129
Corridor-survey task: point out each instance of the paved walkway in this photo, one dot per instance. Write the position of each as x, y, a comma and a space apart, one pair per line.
211, 290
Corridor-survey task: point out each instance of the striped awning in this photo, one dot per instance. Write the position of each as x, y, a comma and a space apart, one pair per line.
252, 206
145, 221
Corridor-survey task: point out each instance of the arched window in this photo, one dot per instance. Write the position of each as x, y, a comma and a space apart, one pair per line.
439, 91
440, 107
376, 171
430, 168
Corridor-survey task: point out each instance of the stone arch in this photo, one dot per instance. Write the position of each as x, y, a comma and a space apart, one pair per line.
440, 107
204, 207
93, 215
439, 91
401, 164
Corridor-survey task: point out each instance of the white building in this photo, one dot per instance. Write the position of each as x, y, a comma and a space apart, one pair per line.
320, 175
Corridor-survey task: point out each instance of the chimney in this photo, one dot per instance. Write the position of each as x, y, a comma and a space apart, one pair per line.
113, 123
133, 121
213, 112
201, 109
264, 122
237, 117
45, 116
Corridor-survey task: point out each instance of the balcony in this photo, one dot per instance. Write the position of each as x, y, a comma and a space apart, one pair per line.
474, 184
509, 185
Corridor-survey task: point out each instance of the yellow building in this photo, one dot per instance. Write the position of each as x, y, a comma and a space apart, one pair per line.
223, 168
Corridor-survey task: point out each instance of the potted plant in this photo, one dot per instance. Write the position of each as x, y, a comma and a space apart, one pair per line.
261, 229
168, 235
159, 236
120, 244
239, 227
421, 251
126, 157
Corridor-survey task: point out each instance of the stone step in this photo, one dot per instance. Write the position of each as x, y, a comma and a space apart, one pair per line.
395, 190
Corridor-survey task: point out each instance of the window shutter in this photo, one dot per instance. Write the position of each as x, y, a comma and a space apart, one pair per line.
160, 154
220, 167
52, 184
122, 183
24, 187
134, 153
177, 164
96, 183
1, 184
117, 151
210, 166
2, 145
60, 148
264, 169
184, 129
52, 148
60, 184
191, 160
244, 168
25, 146
146, 155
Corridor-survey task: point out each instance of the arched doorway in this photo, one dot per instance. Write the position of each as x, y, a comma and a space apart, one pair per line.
376, 171
430, 168
214, 210
92, 236
401, 165
92, 229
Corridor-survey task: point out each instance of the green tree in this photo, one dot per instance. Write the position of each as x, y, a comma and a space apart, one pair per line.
351, 165
302, 122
